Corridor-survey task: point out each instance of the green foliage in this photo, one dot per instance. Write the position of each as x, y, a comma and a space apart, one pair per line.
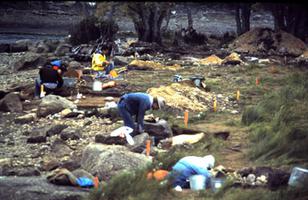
279, 123
85, 31
208, 145
131, 185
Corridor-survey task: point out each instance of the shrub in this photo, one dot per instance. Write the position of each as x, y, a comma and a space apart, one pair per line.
85, 31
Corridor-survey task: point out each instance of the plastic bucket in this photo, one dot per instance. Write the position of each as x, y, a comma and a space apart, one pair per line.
299, 177
216, 183
97, 86
69, 82
197, 182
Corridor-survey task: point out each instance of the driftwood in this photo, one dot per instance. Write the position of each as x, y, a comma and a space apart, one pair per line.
176, 130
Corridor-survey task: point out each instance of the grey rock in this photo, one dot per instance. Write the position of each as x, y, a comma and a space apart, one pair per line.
69, 133
52, 104
42, 48
106, 161
60, 149
74, 65
29, 60
20, 171
37, 135
140, 143
121, 60
62, 49
25, 118
18, 47
55, 130
4, 48
11, 103
159, 130
37, 188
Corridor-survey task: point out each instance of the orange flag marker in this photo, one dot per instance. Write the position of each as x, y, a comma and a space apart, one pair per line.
257, 81
148, 147
96, 182
186, 118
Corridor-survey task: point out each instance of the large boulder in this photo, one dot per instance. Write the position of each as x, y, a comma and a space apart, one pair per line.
18, 47
62, 49
37, 188
11, 103
106, 161
27, 118
160, 130
42, 48
121, 60
4, 47
52, 104
38, 135
29, 60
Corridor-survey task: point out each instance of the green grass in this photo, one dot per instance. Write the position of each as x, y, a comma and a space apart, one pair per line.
208, 145
131, 185
279, 123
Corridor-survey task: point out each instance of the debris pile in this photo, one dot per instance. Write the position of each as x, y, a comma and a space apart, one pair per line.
264, 41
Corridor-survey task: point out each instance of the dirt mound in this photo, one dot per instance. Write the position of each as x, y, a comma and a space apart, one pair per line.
211, 60
151, 65
264, 41
185, 96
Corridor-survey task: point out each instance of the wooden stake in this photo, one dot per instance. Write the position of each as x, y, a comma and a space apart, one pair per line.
186, 118
215, 104
238, 95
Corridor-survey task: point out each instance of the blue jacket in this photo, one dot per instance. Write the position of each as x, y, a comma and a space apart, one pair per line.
188, 166
137, 104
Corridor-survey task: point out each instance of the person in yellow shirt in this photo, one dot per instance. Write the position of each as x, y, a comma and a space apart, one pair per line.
100, 63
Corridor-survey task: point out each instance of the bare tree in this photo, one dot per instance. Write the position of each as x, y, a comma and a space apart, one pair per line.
242, 17
290, 17
147, 18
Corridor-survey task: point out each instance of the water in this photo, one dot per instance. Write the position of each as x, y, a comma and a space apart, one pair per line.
12, 38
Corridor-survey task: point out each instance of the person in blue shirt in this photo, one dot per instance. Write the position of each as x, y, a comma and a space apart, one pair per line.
191, 165
136, 104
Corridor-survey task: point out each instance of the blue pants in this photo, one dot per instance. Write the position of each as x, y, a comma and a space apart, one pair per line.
125, 114
109, 67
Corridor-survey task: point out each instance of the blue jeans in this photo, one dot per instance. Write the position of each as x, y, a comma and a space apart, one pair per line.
109, 67
125, 114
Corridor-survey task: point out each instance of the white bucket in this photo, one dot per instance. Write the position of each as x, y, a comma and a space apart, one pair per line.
299, 177
197, 182
97, 86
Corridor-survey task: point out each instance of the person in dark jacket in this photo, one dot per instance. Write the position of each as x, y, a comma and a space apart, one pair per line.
136, 104
50, 77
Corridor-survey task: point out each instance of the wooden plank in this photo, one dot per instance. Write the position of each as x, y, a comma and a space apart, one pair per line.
93, 102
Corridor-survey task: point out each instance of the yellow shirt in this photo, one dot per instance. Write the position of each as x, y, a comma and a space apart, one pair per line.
97, 61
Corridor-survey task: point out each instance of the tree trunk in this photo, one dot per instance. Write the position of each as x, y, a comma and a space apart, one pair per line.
168, 16
242, 17
148, 20
189, 18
